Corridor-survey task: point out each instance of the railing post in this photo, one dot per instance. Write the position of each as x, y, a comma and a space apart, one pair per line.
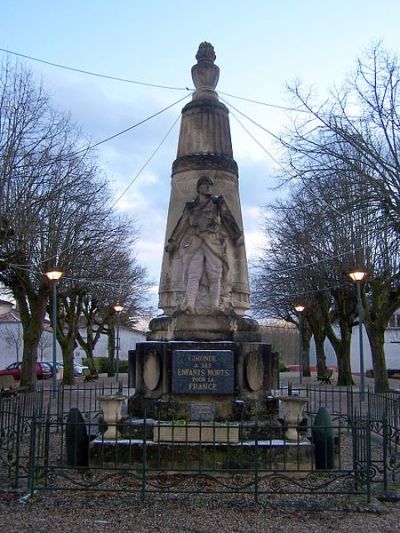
256, 461
144, 453
32, 459
368, 439
350, 406
385, 449
17, 449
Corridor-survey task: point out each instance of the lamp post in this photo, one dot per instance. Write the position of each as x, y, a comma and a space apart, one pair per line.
358, 275
299, 308
117, 308
54, 276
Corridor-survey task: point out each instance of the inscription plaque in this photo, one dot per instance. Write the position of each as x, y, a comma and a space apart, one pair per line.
202, 372
202, 412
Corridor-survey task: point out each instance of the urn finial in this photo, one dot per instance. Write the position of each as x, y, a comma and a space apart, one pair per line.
205, 74
206, 52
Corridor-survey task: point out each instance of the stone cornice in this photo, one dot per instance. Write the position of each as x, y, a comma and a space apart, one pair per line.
204, 105
204, 162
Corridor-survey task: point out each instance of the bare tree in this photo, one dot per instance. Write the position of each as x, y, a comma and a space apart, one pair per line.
12, 336
119, 279
100, 280
49, 190
44, 343
353, 139
305, 260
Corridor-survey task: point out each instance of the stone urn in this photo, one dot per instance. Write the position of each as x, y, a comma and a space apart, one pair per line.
111, 406
293, 407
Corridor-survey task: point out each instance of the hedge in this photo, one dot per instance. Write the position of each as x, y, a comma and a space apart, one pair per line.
102, 365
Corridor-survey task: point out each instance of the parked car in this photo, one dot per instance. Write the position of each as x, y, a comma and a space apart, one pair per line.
43, 371
78, 369
50, 365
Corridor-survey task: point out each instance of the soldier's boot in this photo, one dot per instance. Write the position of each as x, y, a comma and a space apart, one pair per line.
189, 303
214, 292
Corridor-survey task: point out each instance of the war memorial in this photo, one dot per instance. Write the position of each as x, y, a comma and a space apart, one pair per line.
203, 375
203, 412
204, 350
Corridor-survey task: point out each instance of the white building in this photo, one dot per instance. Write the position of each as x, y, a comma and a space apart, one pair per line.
11, 342
128, 337
391, 347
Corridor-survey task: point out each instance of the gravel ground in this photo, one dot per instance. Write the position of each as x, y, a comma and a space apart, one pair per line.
114, 512
99, 512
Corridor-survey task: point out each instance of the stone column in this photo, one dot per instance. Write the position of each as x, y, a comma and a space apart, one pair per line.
204, 149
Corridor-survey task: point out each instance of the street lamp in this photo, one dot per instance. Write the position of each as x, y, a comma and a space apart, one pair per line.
117, 308
54, 276
299, 308
358, 275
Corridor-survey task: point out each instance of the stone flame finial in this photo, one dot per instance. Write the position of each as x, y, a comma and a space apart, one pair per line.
206, 52
205, 74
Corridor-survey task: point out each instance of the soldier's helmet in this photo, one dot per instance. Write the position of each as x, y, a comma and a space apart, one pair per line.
204, 179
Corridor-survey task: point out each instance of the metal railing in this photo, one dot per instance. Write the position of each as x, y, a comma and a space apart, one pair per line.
155, 456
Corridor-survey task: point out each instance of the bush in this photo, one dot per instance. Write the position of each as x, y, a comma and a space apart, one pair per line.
123, 366
282, 366
102, 365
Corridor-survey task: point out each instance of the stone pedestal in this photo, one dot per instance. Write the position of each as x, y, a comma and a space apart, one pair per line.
171, 376
111, 407
214, 457
218, 326
293, 407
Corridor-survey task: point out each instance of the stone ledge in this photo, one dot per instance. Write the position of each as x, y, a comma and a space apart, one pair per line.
213, 456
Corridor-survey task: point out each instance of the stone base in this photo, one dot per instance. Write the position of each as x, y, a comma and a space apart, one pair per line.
178, 456
158, 430
255, 371
219, 326
166, 432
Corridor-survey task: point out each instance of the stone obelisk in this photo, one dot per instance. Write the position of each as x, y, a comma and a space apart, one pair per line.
203, 353
204, 287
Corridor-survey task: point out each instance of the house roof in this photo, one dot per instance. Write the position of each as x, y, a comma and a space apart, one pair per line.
11, 316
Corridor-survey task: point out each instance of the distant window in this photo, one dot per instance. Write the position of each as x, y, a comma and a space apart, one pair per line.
394, 322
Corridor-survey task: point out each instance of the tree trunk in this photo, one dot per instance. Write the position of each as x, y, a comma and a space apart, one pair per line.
32, 317
342, 351
29, 357
376, 336
88, 352
91, 364
320, 354
306, 352
67, 347
92, 338
345, 377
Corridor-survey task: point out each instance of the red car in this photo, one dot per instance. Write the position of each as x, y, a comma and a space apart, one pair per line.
43, 371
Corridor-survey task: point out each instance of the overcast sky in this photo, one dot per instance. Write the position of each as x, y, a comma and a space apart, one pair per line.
261, 46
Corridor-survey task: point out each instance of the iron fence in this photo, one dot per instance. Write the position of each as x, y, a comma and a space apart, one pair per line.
193, 458
196, 458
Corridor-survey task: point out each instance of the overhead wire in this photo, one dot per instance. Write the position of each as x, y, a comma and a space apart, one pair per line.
96, 74
70, 278
276, 161
256, 141
129, 185
147, 84
147, 162
313, 263
115, 135
266, 104
293, 297
125, 80
276, 137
